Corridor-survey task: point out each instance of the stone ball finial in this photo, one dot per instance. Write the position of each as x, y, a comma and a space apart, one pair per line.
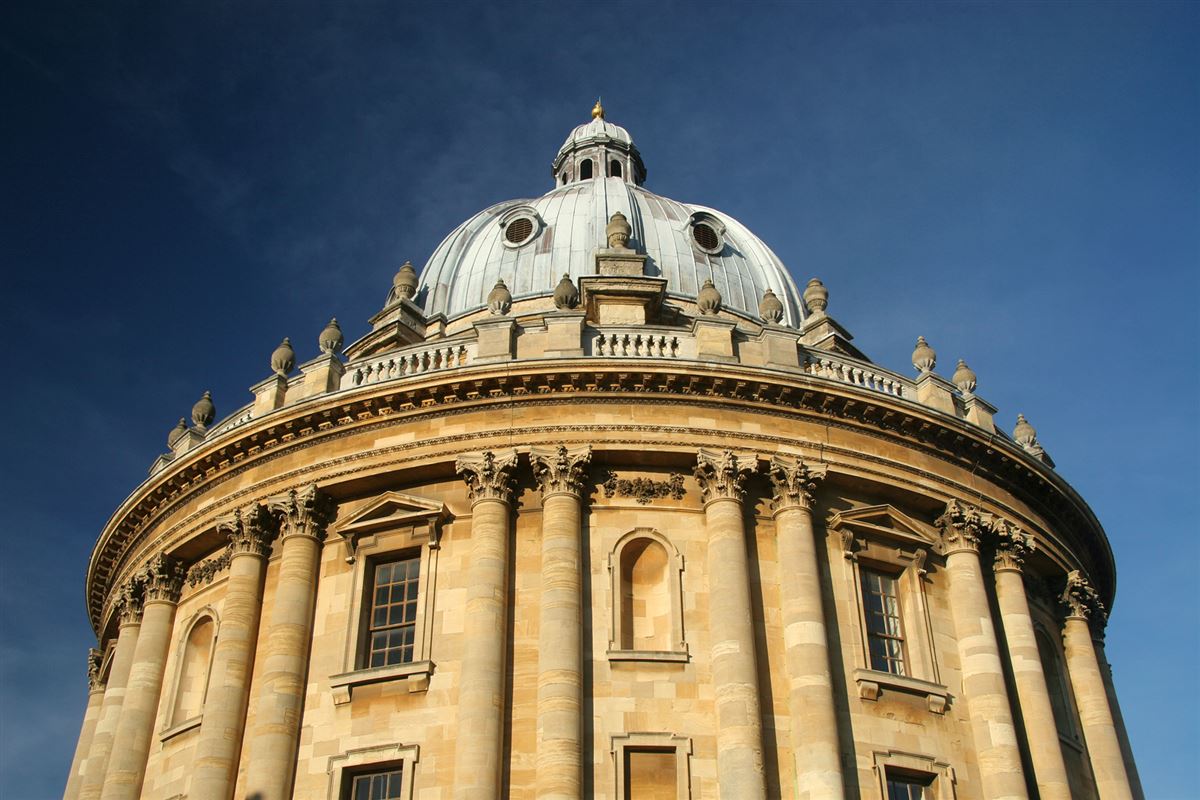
499, 299
709, 299
816, 297
176, 433
1024, 433
283, 358
330, 341
964, 378
204, 412
771, 308
924, 358
565, 294
405, 282
617, 232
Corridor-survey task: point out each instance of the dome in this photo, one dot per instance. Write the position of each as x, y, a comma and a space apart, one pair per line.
568, 227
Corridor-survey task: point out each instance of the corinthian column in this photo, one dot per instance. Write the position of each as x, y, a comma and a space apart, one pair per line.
1099, 732
1041, 731
220, 741
992, 726
279, 704
130, 610
480, 737
163, 581
815, 745
90, 716
560, 473
740, 772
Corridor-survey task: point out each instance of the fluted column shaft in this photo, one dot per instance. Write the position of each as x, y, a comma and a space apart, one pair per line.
279, 703
219, 743
1091, 697
560, 648
992, 726
479, 739
815, 744
740, 769
88, 729
114, 696
1041, 730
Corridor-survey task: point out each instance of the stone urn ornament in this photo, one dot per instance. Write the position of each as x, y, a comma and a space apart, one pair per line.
204, 412
405, 282
924, 359
499, 299
816, 297
964, 378
617, 232
283, 358
709, 299
566, 296
330, 341
177, 433
771, 308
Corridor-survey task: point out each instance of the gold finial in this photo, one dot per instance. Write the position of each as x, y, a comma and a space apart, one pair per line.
597, 110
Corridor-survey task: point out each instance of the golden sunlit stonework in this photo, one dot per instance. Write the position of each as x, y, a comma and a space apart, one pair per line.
602, 506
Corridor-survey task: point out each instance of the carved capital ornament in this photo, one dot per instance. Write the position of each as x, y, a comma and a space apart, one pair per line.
559, 469
722, 474
95, 661
131, 600
303, 512
794, 482
1081, 599
163, 578
963, 527
489, 476
250, 531
1012, 546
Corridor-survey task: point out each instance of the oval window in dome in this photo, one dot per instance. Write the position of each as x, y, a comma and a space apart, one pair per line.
706, 237
519, 231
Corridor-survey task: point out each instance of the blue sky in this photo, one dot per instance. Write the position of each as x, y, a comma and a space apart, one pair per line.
186, 183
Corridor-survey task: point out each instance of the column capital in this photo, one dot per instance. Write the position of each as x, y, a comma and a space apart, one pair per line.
722, 473
1081, 599
303, 512
163, 578
560, 469
488, 475
794, 482
963, 526
250, 531
130, 600
95, 661
1012, 546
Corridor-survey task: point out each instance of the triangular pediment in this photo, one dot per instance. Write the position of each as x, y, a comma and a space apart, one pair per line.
883, 521
393, 510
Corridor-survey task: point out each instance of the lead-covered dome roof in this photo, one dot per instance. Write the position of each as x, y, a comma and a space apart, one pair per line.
531, 243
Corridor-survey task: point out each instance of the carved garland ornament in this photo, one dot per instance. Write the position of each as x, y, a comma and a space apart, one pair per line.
488, 476
794, 482
205, 571
559, 469
722, 474
644, 490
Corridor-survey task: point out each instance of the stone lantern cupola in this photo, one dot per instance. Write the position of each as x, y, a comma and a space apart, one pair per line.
598, 149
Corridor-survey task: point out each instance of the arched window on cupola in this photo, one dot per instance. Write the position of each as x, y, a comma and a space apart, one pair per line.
615, 169
585, 169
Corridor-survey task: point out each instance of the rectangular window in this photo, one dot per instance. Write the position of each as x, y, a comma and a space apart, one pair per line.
906, 788
377, 785
391, 630
650, 774
885, 636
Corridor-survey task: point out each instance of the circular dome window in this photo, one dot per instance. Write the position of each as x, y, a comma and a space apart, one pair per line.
519, 231
707, 238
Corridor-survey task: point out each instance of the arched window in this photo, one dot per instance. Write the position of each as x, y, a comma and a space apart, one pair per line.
1055, 684
615, 169
192, 684
585, 169
647, 599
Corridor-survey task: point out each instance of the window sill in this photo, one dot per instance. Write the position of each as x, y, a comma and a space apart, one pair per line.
662, 656
183, 727
871, 684
417, 674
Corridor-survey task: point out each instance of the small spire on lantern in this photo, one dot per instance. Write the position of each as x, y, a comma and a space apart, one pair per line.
284, 358
924, 359
203, 412
331, 339
964, 378
597, 110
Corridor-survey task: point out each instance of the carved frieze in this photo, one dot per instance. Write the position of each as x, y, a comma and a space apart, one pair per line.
644, 490
303, 512
163, 578
205, 571
489, 476
794, 482
560, 469
722, 474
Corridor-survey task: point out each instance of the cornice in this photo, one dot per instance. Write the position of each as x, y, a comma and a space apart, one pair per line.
569, 381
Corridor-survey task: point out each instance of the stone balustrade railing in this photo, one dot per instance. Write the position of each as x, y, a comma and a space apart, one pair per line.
234, 420
847, 370
414, 361
636, 344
